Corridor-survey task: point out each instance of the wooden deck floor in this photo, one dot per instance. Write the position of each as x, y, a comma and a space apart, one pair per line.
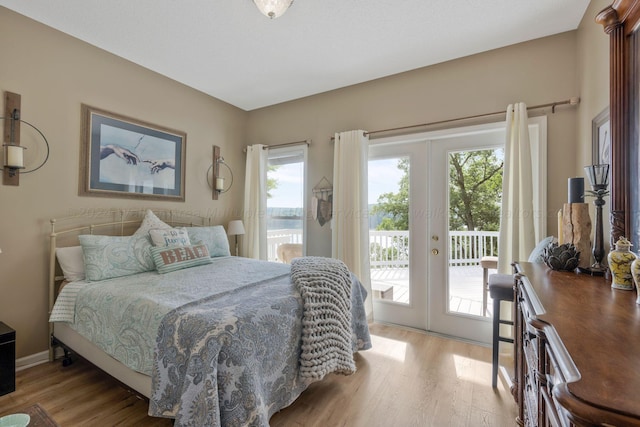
465, 290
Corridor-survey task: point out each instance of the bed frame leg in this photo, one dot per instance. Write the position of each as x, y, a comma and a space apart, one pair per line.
66, 359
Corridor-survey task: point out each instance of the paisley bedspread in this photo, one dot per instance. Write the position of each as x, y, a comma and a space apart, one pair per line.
231, 358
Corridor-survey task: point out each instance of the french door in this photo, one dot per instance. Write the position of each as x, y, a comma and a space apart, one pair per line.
438, 284
398, 253
456, 300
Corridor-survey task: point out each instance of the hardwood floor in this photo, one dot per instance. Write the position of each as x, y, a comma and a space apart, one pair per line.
408, 379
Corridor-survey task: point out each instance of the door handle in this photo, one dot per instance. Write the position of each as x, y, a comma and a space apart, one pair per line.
435, 251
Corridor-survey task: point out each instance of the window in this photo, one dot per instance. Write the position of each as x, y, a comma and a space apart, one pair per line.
286, 202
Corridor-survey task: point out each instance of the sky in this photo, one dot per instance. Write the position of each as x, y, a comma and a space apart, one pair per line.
384, 177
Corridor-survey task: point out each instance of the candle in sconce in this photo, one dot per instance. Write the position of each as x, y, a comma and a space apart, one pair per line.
576, 190
15, 157
219, 184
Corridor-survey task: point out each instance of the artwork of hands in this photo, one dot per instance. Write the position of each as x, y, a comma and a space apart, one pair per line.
132, 158
158, 165
123, 153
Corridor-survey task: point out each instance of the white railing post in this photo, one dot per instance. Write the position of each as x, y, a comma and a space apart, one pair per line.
390, 248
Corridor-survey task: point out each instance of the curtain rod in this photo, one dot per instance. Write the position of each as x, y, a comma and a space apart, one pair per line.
571, 101
286, 144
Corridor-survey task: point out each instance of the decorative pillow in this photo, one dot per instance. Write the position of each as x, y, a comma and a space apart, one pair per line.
178, 257
538, 251
71, 262
214, 237
111, 256
142, 242
170, 237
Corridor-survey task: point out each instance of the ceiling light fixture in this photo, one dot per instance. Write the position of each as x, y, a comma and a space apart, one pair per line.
273, 8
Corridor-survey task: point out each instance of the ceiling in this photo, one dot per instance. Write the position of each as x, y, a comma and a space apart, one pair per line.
229, 50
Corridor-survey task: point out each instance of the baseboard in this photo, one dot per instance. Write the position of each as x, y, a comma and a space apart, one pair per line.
32, 360
435, 334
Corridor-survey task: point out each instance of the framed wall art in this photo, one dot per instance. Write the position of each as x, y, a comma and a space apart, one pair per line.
125, 157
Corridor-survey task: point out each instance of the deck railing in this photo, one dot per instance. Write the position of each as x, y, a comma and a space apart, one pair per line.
390, 249
277, 237
467, 247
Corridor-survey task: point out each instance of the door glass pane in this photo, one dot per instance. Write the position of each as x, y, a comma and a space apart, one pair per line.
285, 204
475, 194
389, 229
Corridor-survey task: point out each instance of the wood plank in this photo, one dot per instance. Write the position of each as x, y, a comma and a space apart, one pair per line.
409, 378
12, 101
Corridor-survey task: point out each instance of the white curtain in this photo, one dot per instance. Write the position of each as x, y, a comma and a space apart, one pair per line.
517, 232
255, 204
350, 224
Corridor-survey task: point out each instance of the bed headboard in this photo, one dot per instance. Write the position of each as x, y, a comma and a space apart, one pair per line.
112, 222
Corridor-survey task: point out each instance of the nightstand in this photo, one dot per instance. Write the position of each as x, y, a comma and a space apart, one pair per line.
7, 359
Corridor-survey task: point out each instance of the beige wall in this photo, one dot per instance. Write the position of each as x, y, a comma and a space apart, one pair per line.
535, 72
593, 78
55, 73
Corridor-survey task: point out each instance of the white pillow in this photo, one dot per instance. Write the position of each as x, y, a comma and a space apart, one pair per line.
71, 262
142, 240
169, 237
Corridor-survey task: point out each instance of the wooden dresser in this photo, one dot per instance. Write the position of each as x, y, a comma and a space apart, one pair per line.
577, 350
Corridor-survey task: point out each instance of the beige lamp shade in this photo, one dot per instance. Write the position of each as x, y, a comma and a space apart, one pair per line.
235, 228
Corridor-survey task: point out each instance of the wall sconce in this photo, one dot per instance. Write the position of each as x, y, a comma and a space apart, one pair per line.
13, 152
218, 182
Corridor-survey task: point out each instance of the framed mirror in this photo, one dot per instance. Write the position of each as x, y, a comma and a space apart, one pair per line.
621, 21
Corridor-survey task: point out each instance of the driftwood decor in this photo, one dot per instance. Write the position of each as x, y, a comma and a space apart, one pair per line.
576, 229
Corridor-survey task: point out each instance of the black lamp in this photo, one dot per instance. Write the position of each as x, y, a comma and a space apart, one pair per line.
599, 178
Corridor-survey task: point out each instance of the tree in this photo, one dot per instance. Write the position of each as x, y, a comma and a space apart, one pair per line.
272, 182
475, 179
395, 206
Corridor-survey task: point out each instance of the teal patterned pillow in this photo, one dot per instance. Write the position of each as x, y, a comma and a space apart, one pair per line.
214, 237
106, 257
174, 258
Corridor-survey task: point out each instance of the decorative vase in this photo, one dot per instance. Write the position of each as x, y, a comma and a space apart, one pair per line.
635, 272
620, 261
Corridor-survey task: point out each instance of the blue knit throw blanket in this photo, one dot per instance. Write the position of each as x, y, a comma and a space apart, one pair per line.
325, 287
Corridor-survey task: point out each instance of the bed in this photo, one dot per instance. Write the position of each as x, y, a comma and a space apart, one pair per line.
210, 339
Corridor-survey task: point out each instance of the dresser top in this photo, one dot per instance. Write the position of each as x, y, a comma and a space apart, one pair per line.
600, 329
